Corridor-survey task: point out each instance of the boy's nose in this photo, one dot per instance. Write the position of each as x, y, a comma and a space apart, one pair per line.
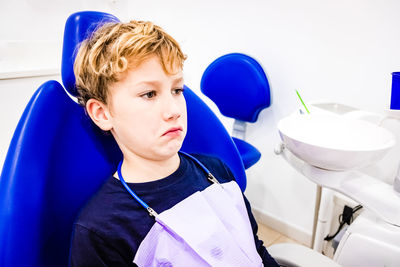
172, 109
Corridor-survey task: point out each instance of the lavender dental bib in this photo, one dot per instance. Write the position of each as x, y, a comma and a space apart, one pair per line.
209, 228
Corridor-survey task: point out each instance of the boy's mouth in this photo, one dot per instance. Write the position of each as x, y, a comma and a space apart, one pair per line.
172, 132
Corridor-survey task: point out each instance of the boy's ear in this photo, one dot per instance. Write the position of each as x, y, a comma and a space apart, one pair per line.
99, 113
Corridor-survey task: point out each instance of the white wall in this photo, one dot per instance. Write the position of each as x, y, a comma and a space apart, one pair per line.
342, 51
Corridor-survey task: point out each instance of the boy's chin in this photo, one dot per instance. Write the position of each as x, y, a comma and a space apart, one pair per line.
169, 153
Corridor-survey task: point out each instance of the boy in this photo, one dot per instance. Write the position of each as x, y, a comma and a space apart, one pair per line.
159, 209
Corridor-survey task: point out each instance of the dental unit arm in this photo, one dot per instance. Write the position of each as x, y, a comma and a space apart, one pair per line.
370, 192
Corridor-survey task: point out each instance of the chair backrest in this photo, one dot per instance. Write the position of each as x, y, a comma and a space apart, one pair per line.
237, 84
57, 159
207, 135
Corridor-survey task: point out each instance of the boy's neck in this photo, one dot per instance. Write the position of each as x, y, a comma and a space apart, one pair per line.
141, 170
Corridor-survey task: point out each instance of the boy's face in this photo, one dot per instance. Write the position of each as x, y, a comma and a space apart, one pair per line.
147, 112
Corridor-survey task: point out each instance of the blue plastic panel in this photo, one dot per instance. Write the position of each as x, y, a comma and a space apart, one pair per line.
395, 95
250, 155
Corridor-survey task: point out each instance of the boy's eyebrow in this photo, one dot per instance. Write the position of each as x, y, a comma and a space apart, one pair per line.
156, 82
178, 80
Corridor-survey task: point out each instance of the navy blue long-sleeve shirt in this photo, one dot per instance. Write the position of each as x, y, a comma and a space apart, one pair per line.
112, 225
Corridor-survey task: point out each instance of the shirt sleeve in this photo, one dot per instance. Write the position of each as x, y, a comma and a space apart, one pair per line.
90, 249
262, 251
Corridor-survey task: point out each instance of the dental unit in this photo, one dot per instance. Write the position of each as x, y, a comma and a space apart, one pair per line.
347, 150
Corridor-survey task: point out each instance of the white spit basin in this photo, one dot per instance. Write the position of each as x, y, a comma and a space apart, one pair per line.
334, 142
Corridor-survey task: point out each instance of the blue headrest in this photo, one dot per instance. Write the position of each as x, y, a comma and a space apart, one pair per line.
78, 27
238, 86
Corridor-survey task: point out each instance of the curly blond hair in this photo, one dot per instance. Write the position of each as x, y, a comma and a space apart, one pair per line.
103, 58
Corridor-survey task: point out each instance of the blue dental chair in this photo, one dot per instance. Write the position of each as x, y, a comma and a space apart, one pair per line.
58, 159
237, 84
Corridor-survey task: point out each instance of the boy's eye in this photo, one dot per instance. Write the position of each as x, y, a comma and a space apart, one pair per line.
177, 91
149, 94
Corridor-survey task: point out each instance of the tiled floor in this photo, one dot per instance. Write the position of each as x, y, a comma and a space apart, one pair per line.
270, 236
